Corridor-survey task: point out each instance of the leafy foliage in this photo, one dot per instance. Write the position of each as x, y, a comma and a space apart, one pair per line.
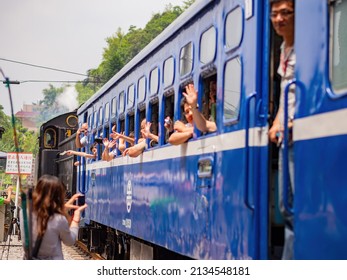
121, 48
27, 141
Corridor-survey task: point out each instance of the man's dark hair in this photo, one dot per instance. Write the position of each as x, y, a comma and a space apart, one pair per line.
277, 1
94, 145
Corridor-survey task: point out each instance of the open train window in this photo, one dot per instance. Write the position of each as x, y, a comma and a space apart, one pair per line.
169, 72
208, 45
141, 89
50, 138
131, 127
154, 81
169, 103
131, 96
232, 89
338, 46
154, 119
186, 59
142, 115
233, 28
121, 126
209, 97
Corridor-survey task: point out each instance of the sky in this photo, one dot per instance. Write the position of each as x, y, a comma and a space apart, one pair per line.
63, 34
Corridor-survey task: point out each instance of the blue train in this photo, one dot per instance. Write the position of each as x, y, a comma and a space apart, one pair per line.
215, 197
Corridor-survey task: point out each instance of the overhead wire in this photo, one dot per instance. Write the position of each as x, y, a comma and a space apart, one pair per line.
43, 67
16, 82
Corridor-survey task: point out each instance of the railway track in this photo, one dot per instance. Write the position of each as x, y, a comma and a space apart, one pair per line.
13, 250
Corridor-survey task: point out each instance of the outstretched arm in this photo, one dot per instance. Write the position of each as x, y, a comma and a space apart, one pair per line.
181, 135
106, 154
81, 154
147, 132
136, 150
201, 123
117, 135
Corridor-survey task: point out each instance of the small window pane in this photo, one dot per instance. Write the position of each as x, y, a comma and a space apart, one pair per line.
232, 89
89, 121
339, 47
233, 28
169, 70
100, 115
107, 112
142, 89
121, 102
208, 45
154, 81
95, 118
50, 138
131, 96
186, 59
114, 106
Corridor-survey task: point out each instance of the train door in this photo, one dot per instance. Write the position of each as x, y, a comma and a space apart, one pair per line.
320, 130
246, 100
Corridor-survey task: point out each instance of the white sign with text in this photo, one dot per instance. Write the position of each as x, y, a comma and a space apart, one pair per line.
25, 163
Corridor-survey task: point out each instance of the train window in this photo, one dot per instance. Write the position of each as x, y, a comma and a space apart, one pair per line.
141, 117
131, 96
100, 116
131, 125
154, 81
186, 59
107, 112
113, 107
50, 138
209, 89
232, 89
141, 88
95, 120
208, 45
89, 121
169, 102
338, 61
121, 102
169, 71
154, 111
122, 126
233, 28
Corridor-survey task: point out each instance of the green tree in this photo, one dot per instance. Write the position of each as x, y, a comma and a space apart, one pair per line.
27, 141
121, 48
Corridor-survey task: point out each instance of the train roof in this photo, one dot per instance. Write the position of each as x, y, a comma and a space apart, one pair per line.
57, 119
168, 32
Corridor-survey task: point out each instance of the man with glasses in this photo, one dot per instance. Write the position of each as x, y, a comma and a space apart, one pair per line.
282, 18
82, 141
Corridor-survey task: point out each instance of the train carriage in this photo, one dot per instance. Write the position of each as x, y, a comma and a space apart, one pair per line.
215, 197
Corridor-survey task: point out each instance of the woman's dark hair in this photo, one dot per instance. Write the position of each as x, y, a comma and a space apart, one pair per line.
183, 101
48, 199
